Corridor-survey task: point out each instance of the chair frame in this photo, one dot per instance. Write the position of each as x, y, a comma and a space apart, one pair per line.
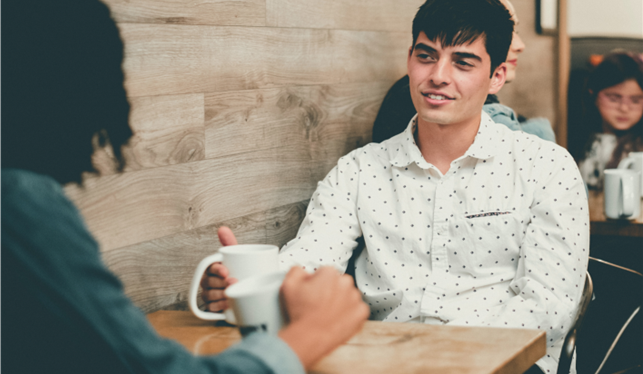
636, 311
569, 345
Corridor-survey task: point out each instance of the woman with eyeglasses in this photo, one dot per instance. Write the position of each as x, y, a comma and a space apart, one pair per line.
613, 113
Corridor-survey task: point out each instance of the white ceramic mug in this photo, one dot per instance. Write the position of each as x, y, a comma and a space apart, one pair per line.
243, 261
622, 198
256, 303
634, 161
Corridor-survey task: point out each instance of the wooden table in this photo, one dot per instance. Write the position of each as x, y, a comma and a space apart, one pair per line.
384, 347
600, 225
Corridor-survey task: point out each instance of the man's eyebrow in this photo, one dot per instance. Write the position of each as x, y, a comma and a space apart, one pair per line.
425, 48
468, 55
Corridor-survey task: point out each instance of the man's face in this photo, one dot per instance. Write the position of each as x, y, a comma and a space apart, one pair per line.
450, 84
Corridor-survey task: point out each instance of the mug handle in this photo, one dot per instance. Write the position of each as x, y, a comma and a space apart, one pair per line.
194, 288
627, 188
626, 163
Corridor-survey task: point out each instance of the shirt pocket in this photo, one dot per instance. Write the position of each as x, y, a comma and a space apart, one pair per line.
488, 242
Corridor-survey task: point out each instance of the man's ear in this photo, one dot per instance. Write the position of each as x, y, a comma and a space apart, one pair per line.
498, 78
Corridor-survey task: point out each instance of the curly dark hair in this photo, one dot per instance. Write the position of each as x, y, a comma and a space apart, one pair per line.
62, 87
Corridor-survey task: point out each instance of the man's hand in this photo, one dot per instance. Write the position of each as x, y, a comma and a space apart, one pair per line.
216, 278
325, 310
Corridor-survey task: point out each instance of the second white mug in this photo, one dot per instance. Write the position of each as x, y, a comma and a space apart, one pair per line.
256, 303
634, 161
622, 198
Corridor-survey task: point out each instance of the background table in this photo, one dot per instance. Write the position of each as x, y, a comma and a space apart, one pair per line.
384, 347
600, 225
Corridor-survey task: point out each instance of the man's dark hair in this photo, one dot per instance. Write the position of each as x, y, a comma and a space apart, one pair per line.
456, 22
62, 85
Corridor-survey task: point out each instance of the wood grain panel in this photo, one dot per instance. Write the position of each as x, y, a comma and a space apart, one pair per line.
134, 207
128, 208
201, 12
325, 122
156, 274
168, 130
171, 59
382, 15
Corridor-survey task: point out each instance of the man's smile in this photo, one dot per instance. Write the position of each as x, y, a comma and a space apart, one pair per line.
437, 97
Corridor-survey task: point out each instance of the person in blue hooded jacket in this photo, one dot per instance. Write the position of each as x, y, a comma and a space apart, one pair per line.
63, 311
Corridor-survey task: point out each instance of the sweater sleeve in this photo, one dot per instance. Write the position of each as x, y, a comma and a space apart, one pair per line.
70, 309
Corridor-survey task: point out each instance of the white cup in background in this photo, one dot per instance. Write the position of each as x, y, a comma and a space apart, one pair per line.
256, 303
243, 261
634, 161
622, 193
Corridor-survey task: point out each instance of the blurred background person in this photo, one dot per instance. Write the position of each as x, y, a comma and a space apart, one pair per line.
613, 113
397, 108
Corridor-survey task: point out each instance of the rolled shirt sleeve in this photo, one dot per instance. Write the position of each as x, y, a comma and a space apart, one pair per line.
67, 306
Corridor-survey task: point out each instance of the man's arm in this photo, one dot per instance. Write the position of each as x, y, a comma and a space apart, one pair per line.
554, 253
327, 235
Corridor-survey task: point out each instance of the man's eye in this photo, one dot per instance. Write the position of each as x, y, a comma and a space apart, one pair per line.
463, 64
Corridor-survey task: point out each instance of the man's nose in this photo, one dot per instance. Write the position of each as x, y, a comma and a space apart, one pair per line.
441, 73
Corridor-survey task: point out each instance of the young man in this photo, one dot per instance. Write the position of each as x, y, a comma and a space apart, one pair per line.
465, 221
63, 311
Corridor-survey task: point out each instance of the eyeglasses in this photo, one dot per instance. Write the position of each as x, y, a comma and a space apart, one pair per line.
615, 100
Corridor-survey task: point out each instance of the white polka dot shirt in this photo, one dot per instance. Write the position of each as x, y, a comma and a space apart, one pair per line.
502, 239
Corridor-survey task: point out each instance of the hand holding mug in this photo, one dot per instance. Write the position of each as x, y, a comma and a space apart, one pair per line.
217, 277
239, 262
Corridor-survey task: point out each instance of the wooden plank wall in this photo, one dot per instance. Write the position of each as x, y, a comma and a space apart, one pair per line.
238, 108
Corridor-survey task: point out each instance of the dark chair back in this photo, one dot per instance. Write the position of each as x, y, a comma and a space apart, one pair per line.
611, 340
569, 346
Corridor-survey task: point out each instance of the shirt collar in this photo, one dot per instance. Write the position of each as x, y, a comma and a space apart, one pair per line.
485, 144
405, 150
